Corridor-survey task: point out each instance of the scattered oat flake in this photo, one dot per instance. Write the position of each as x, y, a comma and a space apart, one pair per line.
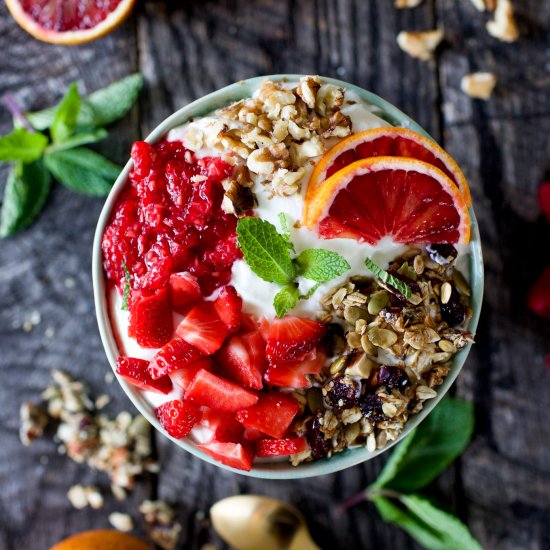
421, 44
161, 525
478, 85
83, 496
503, 25
121, 522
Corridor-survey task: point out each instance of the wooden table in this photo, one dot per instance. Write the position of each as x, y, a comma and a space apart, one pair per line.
501, 486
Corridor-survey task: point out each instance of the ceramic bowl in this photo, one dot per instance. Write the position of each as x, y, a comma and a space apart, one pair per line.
273, 470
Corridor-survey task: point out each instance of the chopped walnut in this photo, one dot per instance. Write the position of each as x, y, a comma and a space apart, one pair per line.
420, 45
307, 90
329, 98
503, 25
478, 85
266, 160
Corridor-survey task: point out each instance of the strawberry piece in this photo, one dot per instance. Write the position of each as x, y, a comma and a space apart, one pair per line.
223, 426
272, 414
151, 321
229, 306
539, 295
135, 371
292, 374
218, 393
176, 354
264, 328
202, 328
292, 338
249, 323
177, 417
182, 378
239, 364
544, 198
250, 434
235, 455
184, 290
255, 345
280, 447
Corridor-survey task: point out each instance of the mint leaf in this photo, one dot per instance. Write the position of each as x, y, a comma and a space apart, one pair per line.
265, 251
430, 448
64, 121
83, 170
100, 108
22, 145
283, 222
285, 300
79, 139
27, 188
127, 287
431, 527
321, 265
385, 277
310, 292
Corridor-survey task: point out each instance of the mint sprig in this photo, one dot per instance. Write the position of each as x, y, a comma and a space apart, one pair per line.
50, 143
269, 255
424, 454
389, 279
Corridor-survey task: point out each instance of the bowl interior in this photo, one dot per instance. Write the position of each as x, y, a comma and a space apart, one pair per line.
273, 470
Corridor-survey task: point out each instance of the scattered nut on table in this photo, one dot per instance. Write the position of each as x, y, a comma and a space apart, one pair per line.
503, 25
478, 85
420, 45
404, 4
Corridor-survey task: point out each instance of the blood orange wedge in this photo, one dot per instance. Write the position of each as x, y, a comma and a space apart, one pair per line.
69, 21
406, 199
388, 141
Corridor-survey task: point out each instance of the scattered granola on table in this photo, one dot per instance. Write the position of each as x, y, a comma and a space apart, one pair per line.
388, 352
161, 525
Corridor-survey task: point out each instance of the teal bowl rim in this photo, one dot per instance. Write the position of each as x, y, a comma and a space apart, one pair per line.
273, 470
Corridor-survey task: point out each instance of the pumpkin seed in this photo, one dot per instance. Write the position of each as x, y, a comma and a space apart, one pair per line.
353, 313
352, 432
314, 399
418, 265
367, 345
461, 283
378, 301
338, 364
407, 271
382, 337
446, 345
354, 340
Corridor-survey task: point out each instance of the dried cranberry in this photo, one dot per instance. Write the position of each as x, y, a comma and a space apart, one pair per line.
393, 377
319, 445
539, 295
442, 254
342, 392
454, 311
371, 407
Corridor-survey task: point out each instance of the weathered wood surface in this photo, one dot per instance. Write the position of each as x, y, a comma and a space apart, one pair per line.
501, 487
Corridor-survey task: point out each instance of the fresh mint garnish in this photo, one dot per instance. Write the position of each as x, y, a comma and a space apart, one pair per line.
321, 265
268, 253
283, 222
50, 143
415, 463
389, 279
127, 287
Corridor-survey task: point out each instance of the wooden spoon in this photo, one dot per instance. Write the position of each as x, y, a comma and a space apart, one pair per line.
253, 522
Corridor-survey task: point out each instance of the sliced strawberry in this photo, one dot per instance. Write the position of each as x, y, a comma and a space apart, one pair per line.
235, 455
182, 378
255, 345
135, 371
264, 328
176, 354
238, 364
292, 338
280, 447
184, 290
539, 295
177, 417
229, 306
202, 328
272, 414
249, 323
292, 374
250, 434
218, 393
151, 321
223, 426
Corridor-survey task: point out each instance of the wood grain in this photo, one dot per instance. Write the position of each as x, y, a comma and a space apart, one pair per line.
501, 485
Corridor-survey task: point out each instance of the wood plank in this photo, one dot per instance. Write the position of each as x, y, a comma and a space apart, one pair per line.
46, 274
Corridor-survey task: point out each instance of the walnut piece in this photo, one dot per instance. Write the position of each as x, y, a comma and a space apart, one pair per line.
478, 85
420, 45
503, 25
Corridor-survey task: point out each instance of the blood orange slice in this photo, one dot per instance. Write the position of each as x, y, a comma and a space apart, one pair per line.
69, 21
407, 199
387, 141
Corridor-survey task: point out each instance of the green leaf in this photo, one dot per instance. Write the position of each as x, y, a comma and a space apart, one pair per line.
285, 300
27, 188
100, 108
127, 287
430, 448
283, 222
265, 251
310, 292
83, 170
22, 145
385, 277
433, 528
79, 139
321, 265
64, 121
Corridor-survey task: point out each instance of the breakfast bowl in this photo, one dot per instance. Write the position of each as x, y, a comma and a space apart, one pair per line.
361, 139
